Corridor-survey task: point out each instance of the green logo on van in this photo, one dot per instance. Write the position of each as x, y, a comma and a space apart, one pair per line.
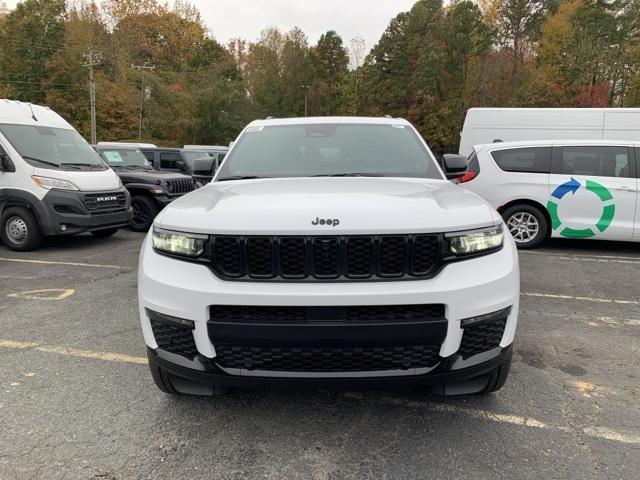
572, 186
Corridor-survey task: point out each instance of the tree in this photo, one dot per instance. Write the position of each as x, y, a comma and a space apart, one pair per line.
330, 62
30, 34
519, 21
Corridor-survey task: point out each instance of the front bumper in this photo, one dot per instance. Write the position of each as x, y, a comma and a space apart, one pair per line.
467, 289
60, 207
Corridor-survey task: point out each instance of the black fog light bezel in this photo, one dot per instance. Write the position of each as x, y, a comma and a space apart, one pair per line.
169, 319
485, 318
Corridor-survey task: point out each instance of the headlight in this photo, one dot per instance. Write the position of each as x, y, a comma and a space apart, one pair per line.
475, 241
178, 243
49, 183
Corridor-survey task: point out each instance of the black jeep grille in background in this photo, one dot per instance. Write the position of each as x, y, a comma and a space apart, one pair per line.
327, 359
326, 257
105, 202
482, 337
179, 187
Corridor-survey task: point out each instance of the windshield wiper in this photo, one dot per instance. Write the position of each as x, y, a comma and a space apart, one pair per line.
80, 165
349, 175
39, 160
241, 177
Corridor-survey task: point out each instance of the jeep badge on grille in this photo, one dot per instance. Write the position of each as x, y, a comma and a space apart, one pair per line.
329, 221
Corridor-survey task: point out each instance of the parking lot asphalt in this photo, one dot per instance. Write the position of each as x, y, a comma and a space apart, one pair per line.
77, 400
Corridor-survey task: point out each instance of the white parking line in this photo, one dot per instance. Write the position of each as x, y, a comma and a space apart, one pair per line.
599, 432
586, 258
70, 264
584, 299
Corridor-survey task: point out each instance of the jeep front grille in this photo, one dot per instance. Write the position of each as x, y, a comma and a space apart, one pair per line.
179, 187
324, 258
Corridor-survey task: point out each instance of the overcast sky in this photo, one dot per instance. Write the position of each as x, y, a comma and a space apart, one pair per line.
246, 18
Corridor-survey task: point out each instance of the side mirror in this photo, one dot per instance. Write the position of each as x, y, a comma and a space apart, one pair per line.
6, 165
202, 166
454, 165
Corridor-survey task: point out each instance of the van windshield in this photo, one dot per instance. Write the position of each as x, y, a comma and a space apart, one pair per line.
308, 150
125, 158
47, 147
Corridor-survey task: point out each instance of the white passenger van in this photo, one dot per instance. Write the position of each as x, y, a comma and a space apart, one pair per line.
488, 125
562, 188
51, 181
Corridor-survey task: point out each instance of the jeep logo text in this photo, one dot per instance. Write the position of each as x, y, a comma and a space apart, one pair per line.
328, 221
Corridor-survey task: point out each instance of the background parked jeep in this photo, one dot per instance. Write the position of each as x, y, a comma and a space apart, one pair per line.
150, 189
180, 160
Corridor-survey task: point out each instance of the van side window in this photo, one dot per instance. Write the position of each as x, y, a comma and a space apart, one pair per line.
529, 160
595, 161
171, 160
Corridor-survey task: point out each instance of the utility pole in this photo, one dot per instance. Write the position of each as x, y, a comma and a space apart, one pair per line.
92, 59
306, 98
143, 92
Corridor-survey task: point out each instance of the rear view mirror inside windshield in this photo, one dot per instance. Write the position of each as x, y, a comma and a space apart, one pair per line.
320, 130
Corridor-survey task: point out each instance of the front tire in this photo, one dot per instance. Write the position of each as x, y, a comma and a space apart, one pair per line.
527, 224
144, 212
19, 229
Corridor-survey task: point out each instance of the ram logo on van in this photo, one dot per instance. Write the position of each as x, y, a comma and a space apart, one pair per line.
106, 199
328, 221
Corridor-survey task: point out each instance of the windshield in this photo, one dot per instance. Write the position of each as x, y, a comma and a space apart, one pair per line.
125, 158
47, 147
329, 149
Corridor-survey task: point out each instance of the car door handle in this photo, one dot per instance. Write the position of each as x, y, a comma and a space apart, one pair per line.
626, 188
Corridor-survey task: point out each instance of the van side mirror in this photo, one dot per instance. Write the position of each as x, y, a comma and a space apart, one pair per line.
202, 166
454, 165
6, 165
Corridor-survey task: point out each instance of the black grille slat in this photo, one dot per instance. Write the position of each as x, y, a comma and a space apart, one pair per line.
482, 337
228, 256
392, 256
174, 338
102, 202
359, 262
327, 359
293, 257
325, 258
424, 255
260, 257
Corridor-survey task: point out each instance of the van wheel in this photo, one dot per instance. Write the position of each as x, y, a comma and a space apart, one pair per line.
104, 233
498, 377
527, 224
144, 211
19, 229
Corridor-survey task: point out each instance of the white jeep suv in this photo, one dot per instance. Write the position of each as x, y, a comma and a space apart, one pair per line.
329, 250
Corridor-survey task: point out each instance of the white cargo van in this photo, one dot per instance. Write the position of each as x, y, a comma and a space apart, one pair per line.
488, 125
51, 181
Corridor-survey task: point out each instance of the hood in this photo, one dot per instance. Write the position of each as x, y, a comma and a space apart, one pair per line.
292, 206
153, 177
85, 180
